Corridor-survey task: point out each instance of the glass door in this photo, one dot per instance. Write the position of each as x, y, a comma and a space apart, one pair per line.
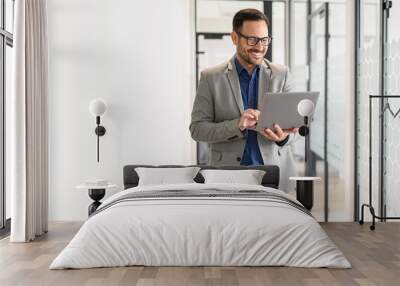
317, 164
6, 60
391, 179
2, 190
378, 74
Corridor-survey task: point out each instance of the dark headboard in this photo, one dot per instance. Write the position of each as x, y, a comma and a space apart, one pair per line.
270, 179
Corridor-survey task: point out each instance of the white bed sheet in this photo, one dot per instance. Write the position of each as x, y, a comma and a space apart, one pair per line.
206, 231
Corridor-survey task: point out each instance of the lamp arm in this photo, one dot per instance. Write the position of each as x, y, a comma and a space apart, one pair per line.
304, 130
98, 137
99, 131
98, 145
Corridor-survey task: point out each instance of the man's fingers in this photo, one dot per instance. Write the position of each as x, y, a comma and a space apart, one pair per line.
254, 112
265, 134
271, 135
249, 116
248, 119
291, 130
278, 131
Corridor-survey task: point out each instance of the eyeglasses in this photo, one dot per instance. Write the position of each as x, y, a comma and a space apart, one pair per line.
253, 41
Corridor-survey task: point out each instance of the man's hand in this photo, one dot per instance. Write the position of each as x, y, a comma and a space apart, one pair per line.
277, 135
248, 119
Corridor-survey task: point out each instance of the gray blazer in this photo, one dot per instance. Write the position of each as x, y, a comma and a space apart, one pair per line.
218, 106
217, 109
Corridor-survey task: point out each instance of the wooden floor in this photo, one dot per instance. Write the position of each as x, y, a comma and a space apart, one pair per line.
374, 255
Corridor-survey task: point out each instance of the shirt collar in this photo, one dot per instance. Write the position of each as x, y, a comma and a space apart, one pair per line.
240, 68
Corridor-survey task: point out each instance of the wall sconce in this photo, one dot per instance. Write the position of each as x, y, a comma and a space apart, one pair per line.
306, 109
97, 108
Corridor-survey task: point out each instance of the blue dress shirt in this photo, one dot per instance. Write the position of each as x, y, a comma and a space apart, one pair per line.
249, 91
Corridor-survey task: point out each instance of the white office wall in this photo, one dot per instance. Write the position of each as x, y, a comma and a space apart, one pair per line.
136, 55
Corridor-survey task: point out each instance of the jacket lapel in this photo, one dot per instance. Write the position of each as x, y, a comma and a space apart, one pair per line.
264, 81
263, 84
235, 84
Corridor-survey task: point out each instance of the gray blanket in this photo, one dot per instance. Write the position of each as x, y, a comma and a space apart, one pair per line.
204, 194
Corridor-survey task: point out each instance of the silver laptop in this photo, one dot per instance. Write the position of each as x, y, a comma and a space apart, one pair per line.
282, 108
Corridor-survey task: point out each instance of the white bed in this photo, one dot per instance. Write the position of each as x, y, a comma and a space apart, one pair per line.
203, 231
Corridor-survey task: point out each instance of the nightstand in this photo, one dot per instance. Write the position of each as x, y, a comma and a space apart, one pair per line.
96, 193
304, 190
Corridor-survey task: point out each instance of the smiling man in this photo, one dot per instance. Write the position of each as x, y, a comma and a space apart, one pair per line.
225, 108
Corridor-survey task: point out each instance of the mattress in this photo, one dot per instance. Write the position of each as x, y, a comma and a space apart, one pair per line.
200, 225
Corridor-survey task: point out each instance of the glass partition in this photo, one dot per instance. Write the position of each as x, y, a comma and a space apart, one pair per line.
2, 133
339, 116
279, 32
6, 59
392, 122
8, 85
317, 165
299, 68
368, 83
215, 16
9, 7
331, 130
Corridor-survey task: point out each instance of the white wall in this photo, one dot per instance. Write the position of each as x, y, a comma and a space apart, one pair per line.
138, 56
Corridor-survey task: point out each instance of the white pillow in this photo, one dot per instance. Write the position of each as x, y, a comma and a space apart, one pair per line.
163, 176
248, 177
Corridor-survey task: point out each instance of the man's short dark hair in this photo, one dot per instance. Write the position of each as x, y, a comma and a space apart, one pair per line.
248, 14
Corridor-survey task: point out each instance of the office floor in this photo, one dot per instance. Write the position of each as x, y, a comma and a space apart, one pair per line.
375, 257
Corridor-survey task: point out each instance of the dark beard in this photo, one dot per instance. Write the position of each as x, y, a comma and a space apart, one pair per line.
242, 53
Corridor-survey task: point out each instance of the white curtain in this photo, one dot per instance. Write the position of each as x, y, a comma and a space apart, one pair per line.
28, 122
